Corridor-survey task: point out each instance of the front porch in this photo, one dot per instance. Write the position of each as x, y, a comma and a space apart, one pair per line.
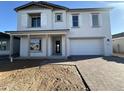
38, 45
43, 46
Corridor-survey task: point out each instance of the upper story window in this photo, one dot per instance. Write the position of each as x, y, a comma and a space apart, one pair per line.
58, 17
95, 20
35, 20
75, 21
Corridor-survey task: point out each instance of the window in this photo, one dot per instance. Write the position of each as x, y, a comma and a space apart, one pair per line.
95, 20
3, 45
58, 17
75, 20
35, 44
35, 21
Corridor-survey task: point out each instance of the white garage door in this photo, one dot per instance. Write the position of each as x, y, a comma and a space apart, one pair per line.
86, 47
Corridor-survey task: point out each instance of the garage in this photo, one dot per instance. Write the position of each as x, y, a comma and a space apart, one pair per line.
86, 47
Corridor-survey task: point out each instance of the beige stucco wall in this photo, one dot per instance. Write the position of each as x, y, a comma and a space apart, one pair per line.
118, 45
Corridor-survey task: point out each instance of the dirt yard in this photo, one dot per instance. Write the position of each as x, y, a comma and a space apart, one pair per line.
46, 77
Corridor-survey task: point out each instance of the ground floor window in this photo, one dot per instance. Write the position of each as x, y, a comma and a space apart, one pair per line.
3, 45
35, 44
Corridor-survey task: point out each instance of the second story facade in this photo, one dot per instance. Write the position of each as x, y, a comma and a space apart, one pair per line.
46, 16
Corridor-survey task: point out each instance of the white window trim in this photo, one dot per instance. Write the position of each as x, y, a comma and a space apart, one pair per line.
56, 17
72, 20
37, 24
29, 19
98, 20
35, 51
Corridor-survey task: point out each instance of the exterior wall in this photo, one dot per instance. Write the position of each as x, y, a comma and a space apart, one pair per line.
62, 24
16, 46
24, 47
6, 52
43, 48
118, 45
108, 36
84, 30
47, 20
46, 46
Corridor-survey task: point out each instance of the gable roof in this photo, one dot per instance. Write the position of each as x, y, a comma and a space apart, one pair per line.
118, 35
54, 6
42, 4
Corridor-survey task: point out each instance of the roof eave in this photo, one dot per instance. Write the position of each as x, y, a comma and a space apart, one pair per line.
91, 9
17, 8
57, 30
36, 3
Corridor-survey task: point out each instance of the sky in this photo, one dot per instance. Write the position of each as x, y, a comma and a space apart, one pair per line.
8, 17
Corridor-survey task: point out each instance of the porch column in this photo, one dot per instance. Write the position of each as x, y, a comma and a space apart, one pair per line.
68, 46
47, 45
11, 48
28, 45
64, 46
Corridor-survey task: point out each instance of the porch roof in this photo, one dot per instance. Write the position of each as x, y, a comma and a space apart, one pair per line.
4, 35
38, 32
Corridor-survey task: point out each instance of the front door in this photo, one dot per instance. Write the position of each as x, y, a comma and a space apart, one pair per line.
56, 44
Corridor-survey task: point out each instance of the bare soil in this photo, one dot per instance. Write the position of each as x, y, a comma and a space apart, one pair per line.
46, 77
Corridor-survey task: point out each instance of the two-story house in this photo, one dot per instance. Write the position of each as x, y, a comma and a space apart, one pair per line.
50, 30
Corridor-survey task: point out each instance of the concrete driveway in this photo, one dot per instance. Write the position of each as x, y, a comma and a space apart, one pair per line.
102, 73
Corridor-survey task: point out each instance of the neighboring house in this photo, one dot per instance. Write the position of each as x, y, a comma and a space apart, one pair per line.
118, 43
5, 45
49, 30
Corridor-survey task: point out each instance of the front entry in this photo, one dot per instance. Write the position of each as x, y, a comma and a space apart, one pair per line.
56, 45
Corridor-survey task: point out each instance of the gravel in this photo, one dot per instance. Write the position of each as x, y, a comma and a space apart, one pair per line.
44, 78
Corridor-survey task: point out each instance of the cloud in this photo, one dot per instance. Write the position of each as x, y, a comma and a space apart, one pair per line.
115, 4
118, 7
